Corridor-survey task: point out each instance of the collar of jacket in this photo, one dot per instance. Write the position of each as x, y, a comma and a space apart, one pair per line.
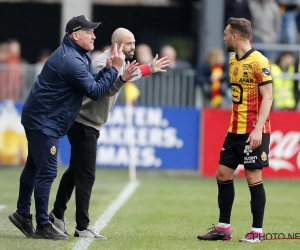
67, 40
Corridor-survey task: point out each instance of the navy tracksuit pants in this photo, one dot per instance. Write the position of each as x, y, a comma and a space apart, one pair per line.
38, 175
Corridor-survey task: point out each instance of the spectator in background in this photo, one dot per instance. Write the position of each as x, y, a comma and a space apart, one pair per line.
265, 23
285, 90
42, 58
12, 74
175, 63
288, 28
212, 77
143, 53
3, 52
3, 56
236, 8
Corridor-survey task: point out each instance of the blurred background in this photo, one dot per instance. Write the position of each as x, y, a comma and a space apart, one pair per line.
180, 117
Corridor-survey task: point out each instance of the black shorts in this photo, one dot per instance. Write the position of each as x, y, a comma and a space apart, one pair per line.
236, 151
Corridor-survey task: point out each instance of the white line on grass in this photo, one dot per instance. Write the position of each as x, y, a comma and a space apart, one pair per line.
2, 207
104, 219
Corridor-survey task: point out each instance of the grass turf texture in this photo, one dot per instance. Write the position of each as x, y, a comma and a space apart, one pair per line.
167, 211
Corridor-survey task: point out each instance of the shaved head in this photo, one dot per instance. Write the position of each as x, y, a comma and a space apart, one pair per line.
122, 35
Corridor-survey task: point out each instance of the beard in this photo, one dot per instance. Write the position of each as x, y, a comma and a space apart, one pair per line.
127, 55
229, 48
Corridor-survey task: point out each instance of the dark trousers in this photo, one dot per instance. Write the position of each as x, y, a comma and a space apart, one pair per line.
38, 174
80, 174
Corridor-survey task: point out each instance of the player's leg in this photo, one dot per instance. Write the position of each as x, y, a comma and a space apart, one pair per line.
224, 176
225, 183
257, 203
254, 162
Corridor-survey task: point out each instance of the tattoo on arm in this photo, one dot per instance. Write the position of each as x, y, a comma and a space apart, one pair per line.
151, 67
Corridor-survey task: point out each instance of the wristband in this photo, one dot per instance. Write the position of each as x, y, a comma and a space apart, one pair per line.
121, 80
145, 69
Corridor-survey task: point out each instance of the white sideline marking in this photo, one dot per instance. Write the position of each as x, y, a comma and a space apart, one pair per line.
108, 214
2, 207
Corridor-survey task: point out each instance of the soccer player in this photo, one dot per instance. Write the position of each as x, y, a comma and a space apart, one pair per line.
248, 138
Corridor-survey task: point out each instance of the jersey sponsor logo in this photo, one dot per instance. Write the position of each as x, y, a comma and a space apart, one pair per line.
53, 150
237, 93
250, 159
247, 150
266, 71
245, 80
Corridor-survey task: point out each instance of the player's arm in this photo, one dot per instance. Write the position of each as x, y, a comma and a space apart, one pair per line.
266, 104
255, 136
264, 80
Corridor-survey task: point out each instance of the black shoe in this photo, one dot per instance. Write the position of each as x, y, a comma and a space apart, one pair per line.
49, 232
25, 225
215, 234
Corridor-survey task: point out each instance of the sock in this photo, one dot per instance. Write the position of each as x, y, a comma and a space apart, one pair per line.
225, 200
258, 201
223, 227
257, 230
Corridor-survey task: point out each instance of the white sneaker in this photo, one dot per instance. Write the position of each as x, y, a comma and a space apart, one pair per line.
88, 233
60, 224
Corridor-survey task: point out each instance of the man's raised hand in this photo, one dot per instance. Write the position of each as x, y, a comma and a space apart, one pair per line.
130, 71
118, 56
159, 65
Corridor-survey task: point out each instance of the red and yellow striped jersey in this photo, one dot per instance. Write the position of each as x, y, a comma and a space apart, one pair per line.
246, 75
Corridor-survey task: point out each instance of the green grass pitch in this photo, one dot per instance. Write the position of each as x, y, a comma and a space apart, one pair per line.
167, 211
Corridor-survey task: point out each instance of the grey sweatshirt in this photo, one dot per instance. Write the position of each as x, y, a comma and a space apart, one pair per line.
266, 20
95, 113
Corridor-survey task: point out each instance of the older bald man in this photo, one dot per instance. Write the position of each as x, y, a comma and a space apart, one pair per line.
84, 134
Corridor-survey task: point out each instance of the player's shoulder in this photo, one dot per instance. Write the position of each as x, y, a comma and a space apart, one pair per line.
259, 57
232, 60
232, 57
